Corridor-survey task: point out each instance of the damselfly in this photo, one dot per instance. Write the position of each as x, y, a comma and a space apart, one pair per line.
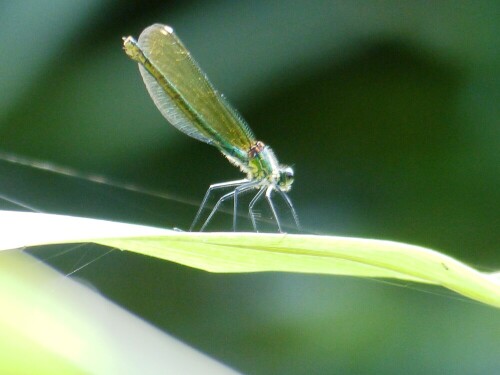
187, 99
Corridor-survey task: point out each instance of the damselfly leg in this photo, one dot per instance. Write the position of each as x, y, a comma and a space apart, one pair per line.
220, 185
240, 189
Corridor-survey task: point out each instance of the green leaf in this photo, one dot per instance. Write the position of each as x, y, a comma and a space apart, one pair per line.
51, 324
254, 252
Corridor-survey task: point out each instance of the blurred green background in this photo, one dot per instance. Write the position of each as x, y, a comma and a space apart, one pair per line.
388, 111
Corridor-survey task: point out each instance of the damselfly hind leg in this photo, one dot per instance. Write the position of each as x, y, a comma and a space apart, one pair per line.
241, 188
213, 187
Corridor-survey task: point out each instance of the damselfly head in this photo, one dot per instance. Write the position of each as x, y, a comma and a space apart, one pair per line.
285, 179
